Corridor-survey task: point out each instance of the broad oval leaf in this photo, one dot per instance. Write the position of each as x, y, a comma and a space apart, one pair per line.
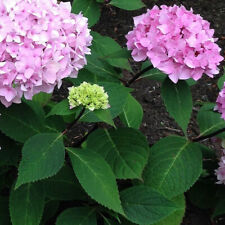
42, 157
178, 101
174, 165
142, 205
42, 98
90, 77
19, 122
27, 204
132, 5
64, 186
89, 8
132, 113
96, 177
101, 68
106, 47
105, 116
77, 215
209, 120
63, 109
125, 149
176, 217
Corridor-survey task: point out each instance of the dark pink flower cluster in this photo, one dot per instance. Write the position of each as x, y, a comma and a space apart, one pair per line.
176, 41
41, 43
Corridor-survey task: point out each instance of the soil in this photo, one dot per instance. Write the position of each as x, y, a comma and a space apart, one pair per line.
157, 123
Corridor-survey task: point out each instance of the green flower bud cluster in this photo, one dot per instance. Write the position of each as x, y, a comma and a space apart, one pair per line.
90, 96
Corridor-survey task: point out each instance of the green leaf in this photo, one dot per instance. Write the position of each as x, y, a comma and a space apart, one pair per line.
125, 149
37, 109
221, 80
191, 82
207, 153
85, 75
77, 215
178, 101
64, 186
89, 8
203, 194
157, 75
42, 157
96, 177
132, 5
142, 205
63, 109
106, 47
152, 74
42, 98
219, 208
176, 217
9, 153
173, 167
27, 204
54, 124
50, 210
100, 67
117, 98
19, 122
105, 116
4, 211
209, 120
132, 114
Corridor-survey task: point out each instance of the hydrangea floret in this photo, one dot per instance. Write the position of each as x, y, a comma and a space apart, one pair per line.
220, 172
41, 42
90, 96
220, 102
176, 41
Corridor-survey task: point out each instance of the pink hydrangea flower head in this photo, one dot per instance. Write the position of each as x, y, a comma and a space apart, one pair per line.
41, 43
220, 102
220, 172
176, 41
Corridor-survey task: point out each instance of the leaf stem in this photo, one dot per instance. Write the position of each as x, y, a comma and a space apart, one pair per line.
74, 122
201, 138
135, 77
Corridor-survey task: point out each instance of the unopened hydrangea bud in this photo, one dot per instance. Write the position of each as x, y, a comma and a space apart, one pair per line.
176, 41
90, 96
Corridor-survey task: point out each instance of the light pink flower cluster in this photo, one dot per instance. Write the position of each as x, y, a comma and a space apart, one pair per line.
41, 43
220, 172
176, 41
220, 102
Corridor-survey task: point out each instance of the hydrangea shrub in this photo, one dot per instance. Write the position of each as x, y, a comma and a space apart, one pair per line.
82, 159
